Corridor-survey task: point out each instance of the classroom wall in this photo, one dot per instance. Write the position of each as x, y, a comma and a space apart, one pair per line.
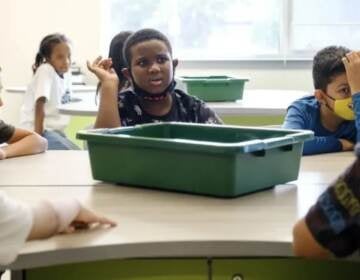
23, 23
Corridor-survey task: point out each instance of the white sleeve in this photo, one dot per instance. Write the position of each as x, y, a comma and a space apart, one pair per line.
43, 81
15, 225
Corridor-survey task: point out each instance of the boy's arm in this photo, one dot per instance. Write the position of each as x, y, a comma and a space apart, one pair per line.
108, 115
324, 144
352, 67
39, 115
304, 244
332, 225
356, 106
23, 142
295, 119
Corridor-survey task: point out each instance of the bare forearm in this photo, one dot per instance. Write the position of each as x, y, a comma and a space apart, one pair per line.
31, 144
304, 244
108, 114
53, 216
39, 115
45, 221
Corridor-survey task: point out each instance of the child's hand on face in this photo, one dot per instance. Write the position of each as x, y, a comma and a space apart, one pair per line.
102, 69
86, 218
2, 154
347, 145
352, 66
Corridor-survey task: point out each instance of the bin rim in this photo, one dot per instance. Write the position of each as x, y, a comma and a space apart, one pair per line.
211, 78
108, 135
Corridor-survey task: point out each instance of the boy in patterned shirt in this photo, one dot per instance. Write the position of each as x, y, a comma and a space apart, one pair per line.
152, 96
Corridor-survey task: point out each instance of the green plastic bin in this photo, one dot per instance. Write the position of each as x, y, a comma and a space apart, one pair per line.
214, 88
222, 161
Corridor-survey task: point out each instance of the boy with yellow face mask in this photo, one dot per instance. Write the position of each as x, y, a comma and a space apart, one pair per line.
332, 225
329, 112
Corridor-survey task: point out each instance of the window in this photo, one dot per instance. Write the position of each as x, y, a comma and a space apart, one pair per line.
320, 23
240, 29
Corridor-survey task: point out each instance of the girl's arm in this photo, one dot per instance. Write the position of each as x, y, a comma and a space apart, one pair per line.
108, 114
23, 142
62, 216
19, 222
39, 115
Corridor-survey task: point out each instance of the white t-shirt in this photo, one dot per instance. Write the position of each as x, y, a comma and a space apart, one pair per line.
57, 90
15, 225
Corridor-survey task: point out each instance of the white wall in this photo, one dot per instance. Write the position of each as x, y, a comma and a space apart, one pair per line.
24, 22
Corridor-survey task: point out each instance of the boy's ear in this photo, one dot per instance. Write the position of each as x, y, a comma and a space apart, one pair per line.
175, 63
126, 73
319, 95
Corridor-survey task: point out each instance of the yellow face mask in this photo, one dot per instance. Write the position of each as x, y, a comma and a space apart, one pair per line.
344, 108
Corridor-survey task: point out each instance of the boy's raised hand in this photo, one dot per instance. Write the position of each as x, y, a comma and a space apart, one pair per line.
103, 70
352, 67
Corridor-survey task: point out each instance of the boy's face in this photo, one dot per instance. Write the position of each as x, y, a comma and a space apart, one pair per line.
337, 89
152, 67
60, 58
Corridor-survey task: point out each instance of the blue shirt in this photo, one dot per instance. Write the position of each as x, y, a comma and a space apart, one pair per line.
304, 113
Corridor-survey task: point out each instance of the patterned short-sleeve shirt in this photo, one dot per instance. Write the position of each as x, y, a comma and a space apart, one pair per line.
185, 108
6, 132
334, 220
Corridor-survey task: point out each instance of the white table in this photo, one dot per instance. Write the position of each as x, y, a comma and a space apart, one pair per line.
158, 224
254, 102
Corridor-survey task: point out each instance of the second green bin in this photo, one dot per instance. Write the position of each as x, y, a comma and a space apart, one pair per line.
214, 88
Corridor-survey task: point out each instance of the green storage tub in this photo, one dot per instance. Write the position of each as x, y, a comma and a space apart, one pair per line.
214, 88
222, 161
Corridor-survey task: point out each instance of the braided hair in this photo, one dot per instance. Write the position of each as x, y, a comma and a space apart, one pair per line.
46, 47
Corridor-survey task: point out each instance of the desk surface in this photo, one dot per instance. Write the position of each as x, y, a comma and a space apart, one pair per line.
254, 102
163, 224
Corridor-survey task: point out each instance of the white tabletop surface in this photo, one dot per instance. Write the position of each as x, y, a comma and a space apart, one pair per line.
254, 102
156, 223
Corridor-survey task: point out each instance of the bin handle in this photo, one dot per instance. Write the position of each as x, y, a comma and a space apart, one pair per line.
279, 142
285, 144
260, 153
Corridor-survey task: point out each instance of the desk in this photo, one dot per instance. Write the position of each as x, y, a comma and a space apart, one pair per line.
53, 168
155, 224
254, 102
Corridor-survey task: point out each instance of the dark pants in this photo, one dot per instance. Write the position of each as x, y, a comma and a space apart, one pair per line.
58, 141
